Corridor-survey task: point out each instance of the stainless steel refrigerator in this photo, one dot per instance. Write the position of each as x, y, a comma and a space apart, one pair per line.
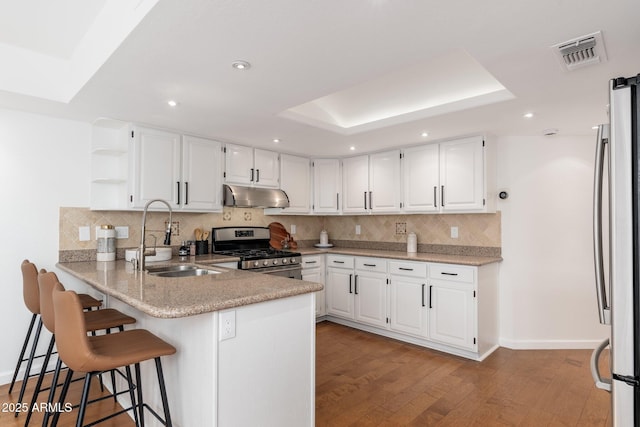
617, 262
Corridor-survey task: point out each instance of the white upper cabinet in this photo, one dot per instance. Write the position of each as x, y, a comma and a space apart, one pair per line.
451, 176
355, 184
326, 185
184, 171
462, 174
249, 166
384, 181
372, 183
155, 166
201, 184
295, 180
421, 178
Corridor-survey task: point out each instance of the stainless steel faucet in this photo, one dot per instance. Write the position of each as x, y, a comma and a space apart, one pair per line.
142, 251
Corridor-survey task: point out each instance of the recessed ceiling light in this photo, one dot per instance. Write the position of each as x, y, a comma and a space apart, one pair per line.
352, 148
276, 140
424, 134
241, 65
172, 103
550, 132
527, 115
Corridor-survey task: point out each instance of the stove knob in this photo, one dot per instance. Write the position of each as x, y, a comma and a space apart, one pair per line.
293, 260
256, 263
265, 262
284, 260
275, 262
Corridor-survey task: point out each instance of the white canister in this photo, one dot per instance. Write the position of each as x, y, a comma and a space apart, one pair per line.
412, 243
324, 237
106, 243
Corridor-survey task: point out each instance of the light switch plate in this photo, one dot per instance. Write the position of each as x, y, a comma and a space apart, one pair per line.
293, 229
122, 232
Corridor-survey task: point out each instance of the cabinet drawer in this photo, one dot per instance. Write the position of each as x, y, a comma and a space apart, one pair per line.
407, 268
311, 261
371, 264
340, 261
456, 273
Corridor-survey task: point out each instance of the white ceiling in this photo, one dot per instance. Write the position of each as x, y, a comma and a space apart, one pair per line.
124, 59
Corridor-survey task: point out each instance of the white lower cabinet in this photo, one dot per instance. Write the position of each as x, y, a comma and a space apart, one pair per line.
313, 271
370, 291
447, 307
339, 286
408, 300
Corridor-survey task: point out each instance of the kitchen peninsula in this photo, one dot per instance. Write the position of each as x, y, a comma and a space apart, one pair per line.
246, 341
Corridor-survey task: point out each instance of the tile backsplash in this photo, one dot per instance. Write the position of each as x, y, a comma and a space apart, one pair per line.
475, 230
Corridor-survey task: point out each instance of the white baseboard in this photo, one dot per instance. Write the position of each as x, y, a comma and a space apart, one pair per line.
5, 377
549, 344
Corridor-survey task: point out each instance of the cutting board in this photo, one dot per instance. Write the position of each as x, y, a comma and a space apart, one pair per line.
278, 234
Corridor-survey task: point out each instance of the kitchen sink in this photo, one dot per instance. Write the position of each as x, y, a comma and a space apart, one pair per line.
180, 270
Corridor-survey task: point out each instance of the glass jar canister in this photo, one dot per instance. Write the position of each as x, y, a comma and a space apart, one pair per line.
106, 243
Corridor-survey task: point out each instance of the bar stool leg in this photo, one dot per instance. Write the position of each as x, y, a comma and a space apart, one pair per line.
84, 400
163, 393
139, 390
43, 371
24, 348
132, 395
32, 354
63, 395
52, 392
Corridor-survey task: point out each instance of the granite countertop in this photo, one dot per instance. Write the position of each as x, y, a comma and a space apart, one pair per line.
419, 256
185, 296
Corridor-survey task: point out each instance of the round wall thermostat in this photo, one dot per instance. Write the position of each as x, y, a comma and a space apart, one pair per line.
503, 195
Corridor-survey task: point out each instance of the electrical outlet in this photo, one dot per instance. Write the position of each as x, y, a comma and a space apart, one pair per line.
84, 234
175, 227
227, 325
122, 232
401, 228
454, 232
358, 230
293, 229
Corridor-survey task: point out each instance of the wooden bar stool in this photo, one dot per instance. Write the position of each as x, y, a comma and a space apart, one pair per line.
104, 319
95, 354
31, 296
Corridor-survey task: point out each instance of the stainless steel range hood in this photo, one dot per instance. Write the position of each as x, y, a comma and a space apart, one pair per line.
252, 197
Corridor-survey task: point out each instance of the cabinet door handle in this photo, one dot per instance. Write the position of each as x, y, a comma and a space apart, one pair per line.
310, 262
430, 296
365, 200
186, 193
337, 201
178, 185
370, 202
369, 265
251, 175
405, 269
448, 274
442, 196
350, 279
257, 175
423, 286
338, 262
355, 281
435, 196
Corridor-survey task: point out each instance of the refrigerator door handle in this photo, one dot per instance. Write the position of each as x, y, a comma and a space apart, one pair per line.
601, 383
604, 310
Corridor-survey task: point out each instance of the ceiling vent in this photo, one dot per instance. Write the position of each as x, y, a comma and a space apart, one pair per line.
580, 52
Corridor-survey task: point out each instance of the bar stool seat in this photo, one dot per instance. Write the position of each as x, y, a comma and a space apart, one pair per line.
95, 354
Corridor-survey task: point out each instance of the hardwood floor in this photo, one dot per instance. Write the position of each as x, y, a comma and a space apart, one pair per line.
95, 411
367, 380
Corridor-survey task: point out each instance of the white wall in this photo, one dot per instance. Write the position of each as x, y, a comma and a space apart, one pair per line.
546, 279
44, 164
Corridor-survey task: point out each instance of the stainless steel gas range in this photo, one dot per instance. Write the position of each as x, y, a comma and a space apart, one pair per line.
251, 245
